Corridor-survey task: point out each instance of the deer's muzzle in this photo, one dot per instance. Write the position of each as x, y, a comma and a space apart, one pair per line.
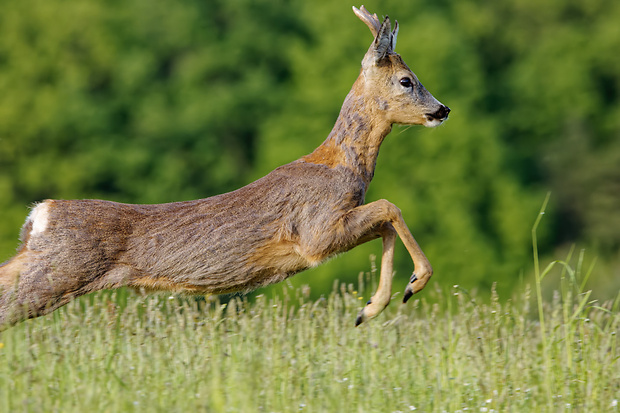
441, 113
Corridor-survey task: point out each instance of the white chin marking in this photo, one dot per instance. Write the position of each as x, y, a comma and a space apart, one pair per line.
431, 123
39, 218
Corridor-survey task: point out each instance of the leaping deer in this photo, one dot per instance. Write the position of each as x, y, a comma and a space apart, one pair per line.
292, 219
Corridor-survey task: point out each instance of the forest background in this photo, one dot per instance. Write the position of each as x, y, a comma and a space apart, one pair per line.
147, 101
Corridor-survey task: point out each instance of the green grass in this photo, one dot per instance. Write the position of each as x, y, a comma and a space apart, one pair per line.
113, 352
445, 351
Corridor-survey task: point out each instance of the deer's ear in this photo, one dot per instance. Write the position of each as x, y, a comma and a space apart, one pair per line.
383, 41
383, 44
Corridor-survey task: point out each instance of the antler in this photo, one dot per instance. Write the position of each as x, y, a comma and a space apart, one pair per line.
371, 20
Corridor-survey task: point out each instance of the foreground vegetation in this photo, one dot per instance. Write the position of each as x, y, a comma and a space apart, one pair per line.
446, 351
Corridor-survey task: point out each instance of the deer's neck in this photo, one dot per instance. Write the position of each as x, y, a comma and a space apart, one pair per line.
355, 139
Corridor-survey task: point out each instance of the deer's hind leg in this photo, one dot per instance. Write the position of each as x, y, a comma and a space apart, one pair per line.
29, 288
9, 284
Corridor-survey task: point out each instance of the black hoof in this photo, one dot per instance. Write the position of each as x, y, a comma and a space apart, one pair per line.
407, 296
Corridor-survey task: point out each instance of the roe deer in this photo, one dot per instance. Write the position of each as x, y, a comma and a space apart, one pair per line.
292, 219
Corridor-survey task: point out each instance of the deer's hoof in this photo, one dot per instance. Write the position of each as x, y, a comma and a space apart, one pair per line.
360, 318
408, 293
372, 309
417, 283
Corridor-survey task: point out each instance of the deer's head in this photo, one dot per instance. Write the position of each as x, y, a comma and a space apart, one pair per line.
398, 94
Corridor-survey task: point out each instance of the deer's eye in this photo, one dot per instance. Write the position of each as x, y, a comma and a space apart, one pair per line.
406, 82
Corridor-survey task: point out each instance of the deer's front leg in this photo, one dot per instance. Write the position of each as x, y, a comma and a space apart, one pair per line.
423, 269
382, 296
383, 218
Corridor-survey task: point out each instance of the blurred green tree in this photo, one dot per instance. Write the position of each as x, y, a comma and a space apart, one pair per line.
142, 101
134, 101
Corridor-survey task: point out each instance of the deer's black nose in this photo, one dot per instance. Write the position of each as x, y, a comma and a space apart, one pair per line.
442, 112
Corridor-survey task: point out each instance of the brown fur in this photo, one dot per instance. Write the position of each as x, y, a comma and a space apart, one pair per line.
292, 219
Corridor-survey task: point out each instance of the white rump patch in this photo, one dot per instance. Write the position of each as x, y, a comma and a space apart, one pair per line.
39, 218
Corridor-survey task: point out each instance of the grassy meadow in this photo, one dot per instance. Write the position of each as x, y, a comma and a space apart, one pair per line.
444, 351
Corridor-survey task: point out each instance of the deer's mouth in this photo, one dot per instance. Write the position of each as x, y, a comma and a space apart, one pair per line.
437, 117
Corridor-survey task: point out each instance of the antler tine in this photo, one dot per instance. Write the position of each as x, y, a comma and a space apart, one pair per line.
374, 15
371, 20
